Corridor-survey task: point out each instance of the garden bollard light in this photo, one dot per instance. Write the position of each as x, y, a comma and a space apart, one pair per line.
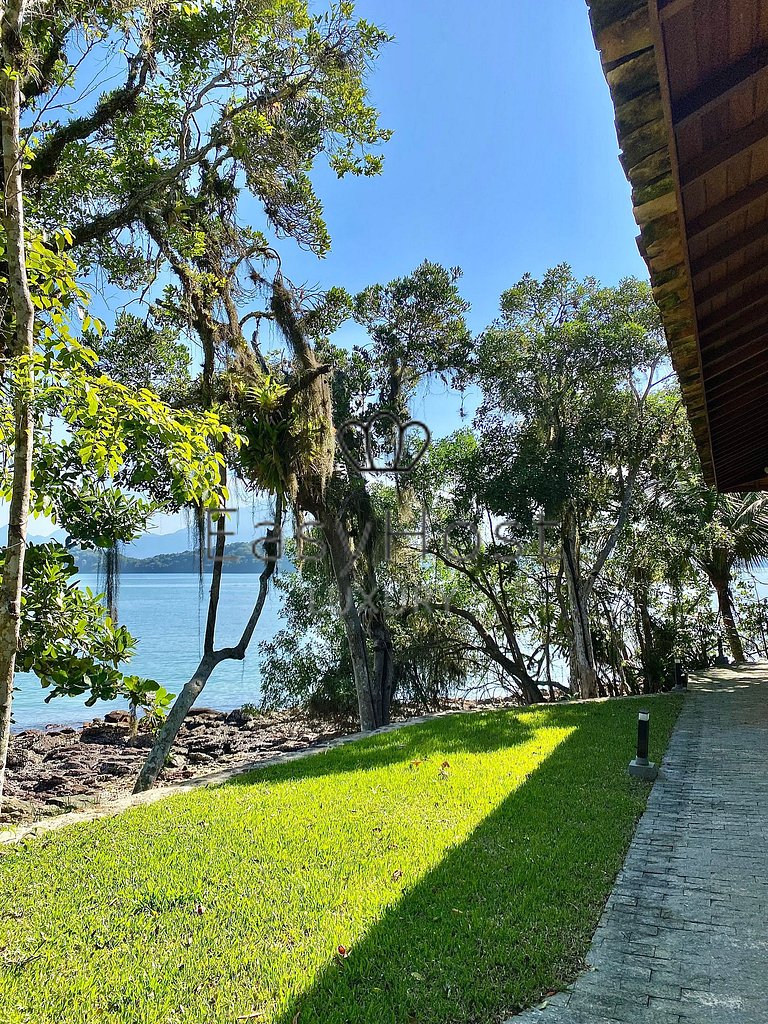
681, 678
641, 767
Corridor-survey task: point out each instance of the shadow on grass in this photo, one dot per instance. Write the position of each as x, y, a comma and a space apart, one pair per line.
509, 913
466, 734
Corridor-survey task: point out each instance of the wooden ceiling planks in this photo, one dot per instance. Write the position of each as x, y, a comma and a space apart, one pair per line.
689, 81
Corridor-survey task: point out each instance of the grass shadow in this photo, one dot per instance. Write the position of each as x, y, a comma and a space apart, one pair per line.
508, 914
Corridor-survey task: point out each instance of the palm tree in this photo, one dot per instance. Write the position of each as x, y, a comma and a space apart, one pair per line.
730, 531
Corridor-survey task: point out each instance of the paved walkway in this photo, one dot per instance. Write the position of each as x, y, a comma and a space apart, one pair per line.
684, 936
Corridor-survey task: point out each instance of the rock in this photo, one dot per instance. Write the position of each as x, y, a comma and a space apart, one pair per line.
15, 810
17, 756
205, 714
200, 759
28, 737
108, 735
239, 718
119, 717
50, 783
116, 768
291, 746
143, 741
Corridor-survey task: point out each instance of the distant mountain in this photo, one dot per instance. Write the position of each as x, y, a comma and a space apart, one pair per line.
152, 545
59, 535
240, 559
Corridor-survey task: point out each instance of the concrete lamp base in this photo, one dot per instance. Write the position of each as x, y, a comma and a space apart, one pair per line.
643, 769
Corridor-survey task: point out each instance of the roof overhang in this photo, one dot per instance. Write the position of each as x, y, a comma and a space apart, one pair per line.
689, 82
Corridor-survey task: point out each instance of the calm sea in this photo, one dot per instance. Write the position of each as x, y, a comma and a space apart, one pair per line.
165, 613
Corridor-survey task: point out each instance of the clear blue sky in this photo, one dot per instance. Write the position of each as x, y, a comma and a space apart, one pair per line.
504, 158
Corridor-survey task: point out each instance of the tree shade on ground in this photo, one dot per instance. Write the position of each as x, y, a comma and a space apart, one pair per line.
447, 872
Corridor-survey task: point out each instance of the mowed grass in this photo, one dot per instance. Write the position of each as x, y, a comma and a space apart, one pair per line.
461, 864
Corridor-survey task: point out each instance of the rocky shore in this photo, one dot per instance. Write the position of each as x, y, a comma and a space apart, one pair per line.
61, 769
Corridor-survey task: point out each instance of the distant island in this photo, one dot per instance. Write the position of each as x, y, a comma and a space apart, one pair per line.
240, 559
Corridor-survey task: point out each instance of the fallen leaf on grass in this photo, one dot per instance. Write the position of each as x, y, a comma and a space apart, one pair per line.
397, 875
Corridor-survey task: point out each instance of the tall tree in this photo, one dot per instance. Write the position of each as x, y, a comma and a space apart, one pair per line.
20, 339
566, 373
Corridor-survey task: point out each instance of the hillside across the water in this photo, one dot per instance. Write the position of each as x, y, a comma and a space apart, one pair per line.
239, 558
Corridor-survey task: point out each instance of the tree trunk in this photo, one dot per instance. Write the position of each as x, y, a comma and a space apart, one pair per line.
211, 657
341, 562
728, 615
383, 666
22, 345
644, 631
514, 667
583, 671
170, 727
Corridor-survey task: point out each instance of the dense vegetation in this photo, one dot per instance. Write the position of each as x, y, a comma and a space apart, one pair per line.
441, 872
566, 523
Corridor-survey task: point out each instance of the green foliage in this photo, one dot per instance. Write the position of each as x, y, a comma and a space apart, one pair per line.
67, 638
566, 364
142, 358
280, 86
425, 842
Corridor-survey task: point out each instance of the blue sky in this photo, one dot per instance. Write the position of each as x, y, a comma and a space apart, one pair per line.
504, 158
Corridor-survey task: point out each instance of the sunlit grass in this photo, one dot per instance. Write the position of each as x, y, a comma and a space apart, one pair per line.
461, 865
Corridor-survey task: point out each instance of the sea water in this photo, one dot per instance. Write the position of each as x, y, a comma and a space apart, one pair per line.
166, 615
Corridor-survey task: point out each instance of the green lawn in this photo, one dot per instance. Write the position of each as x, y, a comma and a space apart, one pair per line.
458, 893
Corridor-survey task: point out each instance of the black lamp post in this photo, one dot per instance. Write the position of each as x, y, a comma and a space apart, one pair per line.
640, 767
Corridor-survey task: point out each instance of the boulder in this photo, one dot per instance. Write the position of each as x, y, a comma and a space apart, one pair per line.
109, 735
207, 714
119, 717
49, 783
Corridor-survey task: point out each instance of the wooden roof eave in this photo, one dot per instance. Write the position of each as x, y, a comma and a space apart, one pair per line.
625, 33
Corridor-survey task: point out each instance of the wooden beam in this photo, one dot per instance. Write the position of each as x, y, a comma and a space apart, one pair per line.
736, 313
733, 145
736, 316
728, 208
743, 408
732, 456
719, 87
735, 401
728, 359
732, 343
731, 247
732, 280
669, 8
751, 371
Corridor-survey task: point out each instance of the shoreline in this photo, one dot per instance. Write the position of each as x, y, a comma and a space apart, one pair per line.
55, 770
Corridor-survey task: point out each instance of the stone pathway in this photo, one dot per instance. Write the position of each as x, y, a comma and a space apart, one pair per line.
684, 936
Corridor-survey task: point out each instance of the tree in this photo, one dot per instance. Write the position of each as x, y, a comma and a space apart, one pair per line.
484, 583
19, 346
566, 372
72, 477
727, 531
214, 97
